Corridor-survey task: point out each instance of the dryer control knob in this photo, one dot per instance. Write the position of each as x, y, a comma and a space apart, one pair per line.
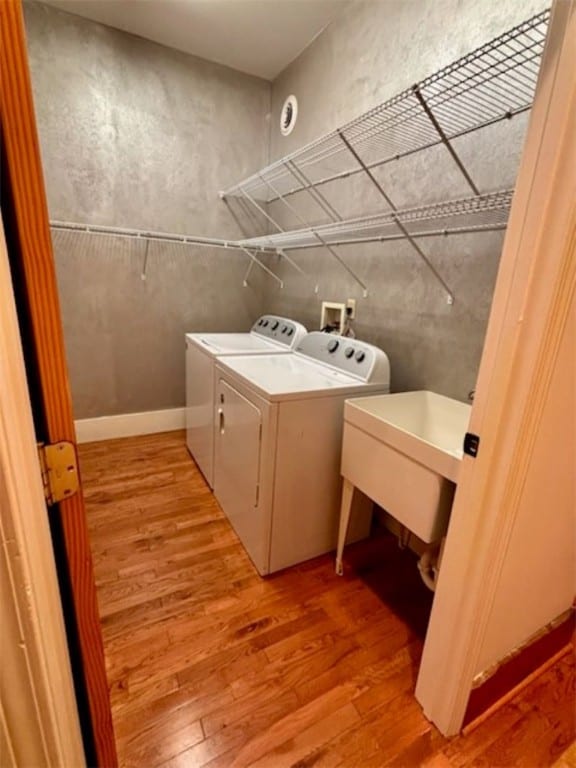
290, 331
265, 323
360, 356
275, 325
333, 346
284, 328
348, 352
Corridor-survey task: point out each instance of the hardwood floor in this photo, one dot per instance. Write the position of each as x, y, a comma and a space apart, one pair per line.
211, 665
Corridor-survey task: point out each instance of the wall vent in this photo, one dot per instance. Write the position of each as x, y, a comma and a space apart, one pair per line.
288, 115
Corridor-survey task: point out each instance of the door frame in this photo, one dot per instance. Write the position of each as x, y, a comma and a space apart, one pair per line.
40, 716
30, 244
530, 311
475, 551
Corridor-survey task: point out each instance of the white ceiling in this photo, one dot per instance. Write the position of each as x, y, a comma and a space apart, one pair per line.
260, 37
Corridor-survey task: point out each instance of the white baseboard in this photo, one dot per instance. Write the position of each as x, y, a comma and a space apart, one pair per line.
129, 424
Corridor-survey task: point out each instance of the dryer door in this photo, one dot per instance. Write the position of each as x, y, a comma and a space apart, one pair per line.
238, 434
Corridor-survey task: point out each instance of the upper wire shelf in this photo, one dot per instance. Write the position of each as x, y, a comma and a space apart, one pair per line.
481, 213
493, 83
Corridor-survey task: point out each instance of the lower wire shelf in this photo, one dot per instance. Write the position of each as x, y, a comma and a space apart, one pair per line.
481, 213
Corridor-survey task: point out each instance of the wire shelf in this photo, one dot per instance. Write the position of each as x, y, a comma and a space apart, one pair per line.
493, 83
142, 234
482, 213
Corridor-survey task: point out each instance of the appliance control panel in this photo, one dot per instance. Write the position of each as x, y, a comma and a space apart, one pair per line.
280, 329
348, 355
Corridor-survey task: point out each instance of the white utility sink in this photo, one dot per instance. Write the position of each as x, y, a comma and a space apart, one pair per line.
404, 451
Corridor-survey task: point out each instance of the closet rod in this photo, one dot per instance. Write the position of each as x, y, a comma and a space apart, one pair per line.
141, 234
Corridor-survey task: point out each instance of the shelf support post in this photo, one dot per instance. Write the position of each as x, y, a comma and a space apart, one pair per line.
145, 262
320, 239
279, 251
365, 168
262, 211
307, 185
291, 261
445, 140
247, 274
262, 266
424, 258
397, 221
235, 215
295, 212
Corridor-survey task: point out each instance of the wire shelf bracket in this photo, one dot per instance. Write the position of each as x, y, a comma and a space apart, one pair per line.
445, 140
330, 250
401, 227
493, 83
279, 251
255, 260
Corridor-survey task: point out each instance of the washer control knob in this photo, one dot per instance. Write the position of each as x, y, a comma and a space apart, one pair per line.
275, 325
290, 331
284, 328
265, 323
261, 321
360, 356
349, 352
333, 346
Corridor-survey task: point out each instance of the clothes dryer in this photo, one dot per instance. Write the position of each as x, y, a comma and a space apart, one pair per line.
278, 442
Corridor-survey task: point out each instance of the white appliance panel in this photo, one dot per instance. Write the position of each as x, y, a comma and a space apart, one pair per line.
307, 488
238, 446
288, 376
234, 343
200, 409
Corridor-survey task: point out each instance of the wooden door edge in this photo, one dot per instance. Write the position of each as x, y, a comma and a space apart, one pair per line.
30, 560
24, 171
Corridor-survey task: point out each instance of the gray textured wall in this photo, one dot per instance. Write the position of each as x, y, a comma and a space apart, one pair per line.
372, 52
137, 135
140, 136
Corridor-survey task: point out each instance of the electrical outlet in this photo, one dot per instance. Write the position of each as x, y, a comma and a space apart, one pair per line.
351, 308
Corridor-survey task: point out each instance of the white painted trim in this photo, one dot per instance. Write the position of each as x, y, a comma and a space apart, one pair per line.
130, 424
38, 712
529, 316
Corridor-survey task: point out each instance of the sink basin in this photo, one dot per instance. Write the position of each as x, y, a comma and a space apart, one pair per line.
404, 452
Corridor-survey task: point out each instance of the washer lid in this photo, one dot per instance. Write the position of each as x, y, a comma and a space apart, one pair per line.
216, 344
279, 377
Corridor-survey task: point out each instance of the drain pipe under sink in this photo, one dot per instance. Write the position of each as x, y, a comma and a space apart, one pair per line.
429, 564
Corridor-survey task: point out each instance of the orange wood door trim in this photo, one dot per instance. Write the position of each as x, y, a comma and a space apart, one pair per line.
520, 667
31, 213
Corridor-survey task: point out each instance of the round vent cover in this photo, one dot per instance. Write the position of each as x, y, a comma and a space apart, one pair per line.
289, 115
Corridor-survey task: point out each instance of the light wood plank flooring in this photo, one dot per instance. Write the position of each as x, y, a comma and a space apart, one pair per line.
210, 665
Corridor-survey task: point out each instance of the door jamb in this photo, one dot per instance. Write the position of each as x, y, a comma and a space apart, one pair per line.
535, 286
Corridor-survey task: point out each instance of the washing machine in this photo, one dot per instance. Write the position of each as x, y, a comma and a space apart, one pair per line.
269, 335
278, 441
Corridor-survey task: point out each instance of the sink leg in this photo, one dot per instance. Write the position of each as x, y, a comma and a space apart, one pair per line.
345, 509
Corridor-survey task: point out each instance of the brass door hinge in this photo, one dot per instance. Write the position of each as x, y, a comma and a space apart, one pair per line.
59, 468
